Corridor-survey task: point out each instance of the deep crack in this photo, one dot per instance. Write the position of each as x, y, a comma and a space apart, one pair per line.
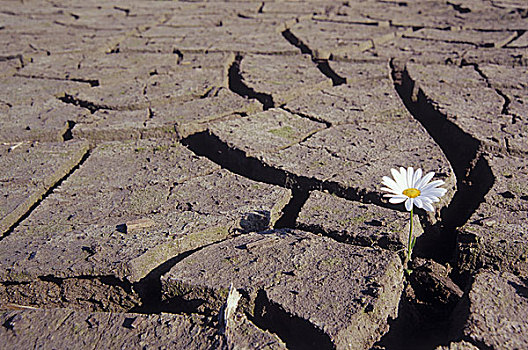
322, 64
236, 84
463, 151
70, 99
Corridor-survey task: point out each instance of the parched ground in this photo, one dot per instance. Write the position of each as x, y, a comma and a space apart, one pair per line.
207, 174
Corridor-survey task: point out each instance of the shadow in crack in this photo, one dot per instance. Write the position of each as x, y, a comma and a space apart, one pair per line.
463, 151
149, 289
295, 332
322, 64
237, 85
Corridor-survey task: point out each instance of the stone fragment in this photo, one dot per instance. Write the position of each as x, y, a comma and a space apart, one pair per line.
493, 313
139, 224
63, 329
29, 170
191, 201
496, 234
310, 290
356, 223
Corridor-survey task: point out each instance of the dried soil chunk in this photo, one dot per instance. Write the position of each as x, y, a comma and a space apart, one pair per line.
512, 83
474, 37
364, 101
31, 110
477, 110
260, 38
271, 131
496, 234
245, 335
420, 14
423, 51
520, 42
325, 38
493, 313
194, 116
29, 170
312, 291
130, 94
67, 329
356, 223
282, 77
188, 202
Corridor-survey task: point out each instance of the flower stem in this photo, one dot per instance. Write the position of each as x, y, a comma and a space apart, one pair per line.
410, 246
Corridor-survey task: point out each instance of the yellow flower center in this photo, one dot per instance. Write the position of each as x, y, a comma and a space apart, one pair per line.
411, 192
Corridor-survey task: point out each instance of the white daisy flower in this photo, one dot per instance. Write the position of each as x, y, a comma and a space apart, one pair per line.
410, 187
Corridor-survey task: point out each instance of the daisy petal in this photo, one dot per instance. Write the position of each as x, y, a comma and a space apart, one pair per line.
437, 192
403, 177
397, 199
428, 207
417, 176
410, 173
398, 178
432, 185
386, 189
425, 180
409, 204
426, 199
418, 202
387, 181
431, 199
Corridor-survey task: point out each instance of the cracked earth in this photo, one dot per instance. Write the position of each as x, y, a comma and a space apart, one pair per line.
155, 153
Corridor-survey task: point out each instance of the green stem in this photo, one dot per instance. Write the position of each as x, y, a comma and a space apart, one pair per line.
409, 247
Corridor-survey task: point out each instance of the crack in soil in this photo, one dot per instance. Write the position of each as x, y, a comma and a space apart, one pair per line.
236, 84
463, 151
208, 145
507, 101
92, 107
46, 194
68, 133
322, 64
149, 288
474, 180
295, 332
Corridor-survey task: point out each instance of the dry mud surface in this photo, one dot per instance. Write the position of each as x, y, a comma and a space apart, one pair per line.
207, 174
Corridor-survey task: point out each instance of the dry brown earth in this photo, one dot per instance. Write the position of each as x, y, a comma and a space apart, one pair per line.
207, 174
